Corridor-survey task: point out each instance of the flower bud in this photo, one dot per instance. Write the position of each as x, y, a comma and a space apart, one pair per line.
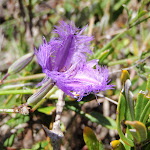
117, 145
35, 98
21, 63
124, 76
18, 65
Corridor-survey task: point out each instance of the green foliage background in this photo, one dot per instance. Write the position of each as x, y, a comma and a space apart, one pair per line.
121, 31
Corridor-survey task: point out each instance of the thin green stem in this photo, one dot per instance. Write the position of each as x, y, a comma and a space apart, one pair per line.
31, 77
7, 92
124, 61
129, 60
140, 21
109, 44
8, 99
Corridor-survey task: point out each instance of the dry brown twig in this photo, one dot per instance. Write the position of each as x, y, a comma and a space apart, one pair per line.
23, 109
56, 134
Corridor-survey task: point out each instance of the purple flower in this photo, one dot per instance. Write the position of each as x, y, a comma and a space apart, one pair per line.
65, 52
85, 81
64, 59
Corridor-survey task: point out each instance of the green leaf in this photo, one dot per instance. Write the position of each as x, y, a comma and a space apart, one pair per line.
47, 110
140, 132
119, 4
138, 16
143, 3
120, 116
129, 12
91, 140
129, 115
19, 119
108, 45
142, 13
104, 54
148, 83
40, 145
100, 119
145, 114
138, 108
129, 107
140, 104
134, 134
9, 141
96, 117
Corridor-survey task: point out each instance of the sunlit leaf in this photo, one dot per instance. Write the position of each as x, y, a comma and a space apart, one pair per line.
140, 104
47, 110
146, 112
91, 140
120, 116
141, 133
